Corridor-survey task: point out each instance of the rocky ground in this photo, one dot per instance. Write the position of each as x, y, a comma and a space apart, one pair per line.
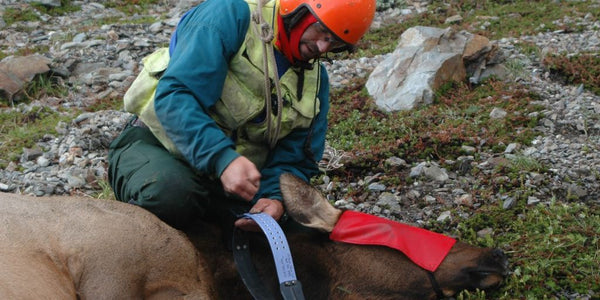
100, 62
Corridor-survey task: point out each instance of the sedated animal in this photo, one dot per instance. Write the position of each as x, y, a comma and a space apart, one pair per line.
83, 248
334, 270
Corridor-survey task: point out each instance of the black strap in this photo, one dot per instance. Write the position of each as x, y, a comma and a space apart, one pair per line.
435, 285
290, 290
243, 261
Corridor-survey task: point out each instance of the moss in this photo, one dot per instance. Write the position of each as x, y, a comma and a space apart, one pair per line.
24, 129
18, 14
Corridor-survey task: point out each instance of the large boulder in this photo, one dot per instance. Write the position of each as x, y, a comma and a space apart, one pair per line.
16, 71
425, 59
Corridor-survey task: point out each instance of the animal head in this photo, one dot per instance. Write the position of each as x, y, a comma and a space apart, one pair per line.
469, 267
465, 266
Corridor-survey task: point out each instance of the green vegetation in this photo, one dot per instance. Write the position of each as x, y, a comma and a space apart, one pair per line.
65, 8
497, 19
105, 191
577, 69
40, 86
22, 129
553, 248
13, 15
43, 85
119, 20
493, 19
31, 50
24, 13
108, 103
459, 116
132, 7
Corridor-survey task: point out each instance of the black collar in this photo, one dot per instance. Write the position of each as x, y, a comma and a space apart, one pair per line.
435, 285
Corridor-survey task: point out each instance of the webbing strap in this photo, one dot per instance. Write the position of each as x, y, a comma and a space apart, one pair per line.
289, 285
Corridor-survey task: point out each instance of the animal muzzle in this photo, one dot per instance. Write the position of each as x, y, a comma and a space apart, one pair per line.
502, 260
492, 270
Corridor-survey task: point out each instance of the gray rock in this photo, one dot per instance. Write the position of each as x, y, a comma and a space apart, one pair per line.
497, 113
389, 200
446, 215
43, 162
16, 71
508, 203
424, 59
4, 187
483, 233
531, 200
376, 187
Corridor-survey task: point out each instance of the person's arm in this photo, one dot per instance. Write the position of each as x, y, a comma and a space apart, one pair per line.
289, 155
207, 39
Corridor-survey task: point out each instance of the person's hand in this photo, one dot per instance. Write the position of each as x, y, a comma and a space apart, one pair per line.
241, 178
272, 207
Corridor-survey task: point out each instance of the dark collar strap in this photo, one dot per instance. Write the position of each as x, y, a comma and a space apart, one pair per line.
435, 285
289, 286
243, 261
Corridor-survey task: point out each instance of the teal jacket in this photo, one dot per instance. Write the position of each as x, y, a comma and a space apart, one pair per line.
206, 40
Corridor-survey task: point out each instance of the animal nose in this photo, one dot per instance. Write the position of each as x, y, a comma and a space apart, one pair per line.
499, 255
501, 259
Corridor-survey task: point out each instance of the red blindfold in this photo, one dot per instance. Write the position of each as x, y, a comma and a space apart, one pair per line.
425, 248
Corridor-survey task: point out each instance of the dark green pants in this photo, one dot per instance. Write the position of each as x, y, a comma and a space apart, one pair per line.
142, 172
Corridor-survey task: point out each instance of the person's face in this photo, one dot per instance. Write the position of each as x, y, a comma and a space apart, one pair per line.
316, 40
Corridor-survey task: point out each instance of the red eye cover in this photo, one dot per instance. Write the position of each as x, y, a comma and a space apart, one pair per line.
425, 248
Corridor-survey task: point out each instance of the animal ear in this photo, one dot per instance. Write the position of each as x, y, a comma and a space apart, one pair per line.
306, 204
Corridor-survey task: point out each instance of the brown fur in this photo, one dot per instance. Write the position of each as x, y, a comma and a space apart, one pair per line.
64, 248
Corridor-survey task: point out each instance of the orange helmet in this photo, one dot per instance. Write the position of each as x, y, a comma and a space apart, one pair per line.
349, 20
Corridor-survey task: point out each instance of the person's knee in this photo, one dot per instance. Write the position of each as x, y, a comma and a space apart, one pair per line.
144, 173
130, 152
177, 201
